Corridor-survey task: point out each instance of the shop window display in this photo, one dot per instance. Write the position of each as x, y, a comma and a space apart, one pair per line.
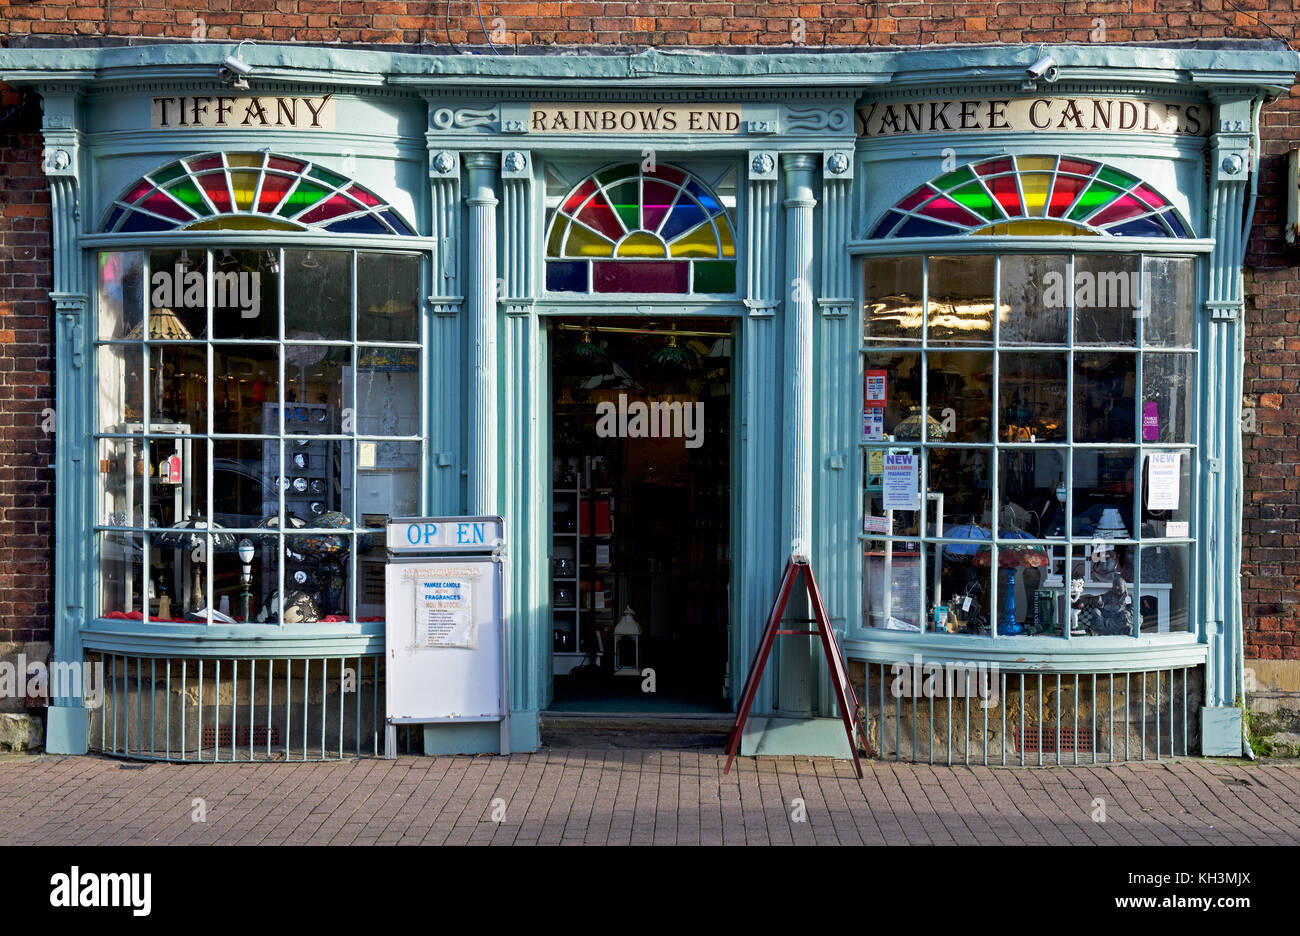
244, 477
1049, 489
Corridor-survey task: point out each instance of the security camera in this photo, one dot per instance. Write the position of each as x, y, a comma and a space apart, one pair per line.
1044, 68
243, 68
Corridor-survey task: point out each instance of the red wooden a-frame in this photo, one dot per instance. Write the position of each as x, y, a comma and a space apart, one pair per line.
845, 696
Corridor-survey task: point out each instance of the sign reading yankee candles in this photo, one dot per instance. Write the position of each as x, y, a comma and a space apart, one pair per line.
634, 118
215, 112
1125, 115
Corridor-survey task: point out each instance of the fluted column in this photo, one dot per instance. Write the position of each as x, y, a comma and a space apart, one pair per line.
797, 679
480, 295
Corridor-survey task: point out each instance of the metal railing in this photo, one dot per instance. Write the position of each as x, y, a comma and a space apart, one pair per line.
1033, 718
188, 709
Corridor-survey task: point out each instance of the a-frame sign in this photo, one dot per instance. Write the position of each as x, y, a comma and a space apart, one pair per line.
797, 567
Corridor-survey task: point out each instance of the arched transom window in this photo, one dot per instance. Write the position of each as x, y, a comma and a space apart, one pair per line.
1031, 195
625, 230
250, 192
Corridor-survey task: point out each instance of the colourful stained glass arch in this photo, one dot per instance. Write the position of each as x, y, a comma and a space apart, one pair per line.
623, 230
1033, 195
250, 192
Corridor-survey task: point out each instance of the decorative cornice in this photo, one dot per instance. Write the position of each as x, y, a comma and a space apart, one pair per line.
445, 305
464, 118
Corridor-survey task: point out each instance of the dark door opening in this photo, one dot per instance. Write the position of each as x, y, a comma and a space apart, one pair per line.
640, 539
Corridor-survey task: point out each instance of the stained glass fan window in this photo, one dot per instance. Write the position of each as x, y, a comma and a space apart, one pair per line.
250, 192
625, 230
1031, 195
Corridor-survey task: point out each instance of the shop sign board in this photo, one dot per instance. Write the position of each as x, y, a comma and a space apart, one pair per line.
242, 112
634, 118
445, 636
1033, 114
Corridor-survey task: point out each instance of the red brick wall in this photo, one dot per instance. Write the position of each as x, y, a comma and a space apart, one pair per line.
1272, 513
26, 381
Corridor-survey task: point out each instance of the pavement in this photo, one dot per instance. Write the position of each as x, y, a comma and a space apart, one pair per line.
607, 793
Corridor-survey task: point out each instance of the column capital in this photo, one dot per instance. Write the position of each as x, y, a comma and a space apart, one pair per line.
799, 169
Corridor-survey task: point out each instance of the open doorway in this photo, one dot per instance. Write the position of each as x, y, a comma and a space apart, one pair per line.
640, 541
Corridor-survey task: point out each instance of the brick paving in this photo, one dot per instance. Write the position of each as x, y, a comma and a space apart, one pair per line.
640, 796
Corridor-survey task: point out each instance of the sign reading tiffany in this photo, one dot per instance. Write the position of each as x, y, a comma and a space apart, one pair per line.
242, 112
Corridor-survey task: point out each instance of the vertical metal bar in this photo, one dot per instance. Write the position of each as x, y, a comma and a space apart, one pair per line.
252, 700
882, 708
1040, 719
306, 697
1058, 719
1157, 714
914, 757
1128, 712
216, 707
139, 701
288, 710
167, 717
374, 705
198, 729
931, 745
184, 715
898, 727
1144, 714
1022, 719
1003, 736
357, 690
153, 694
1172, 752
234, 702
966, 741
1093, 737
115, 703
324, 697
270, 696
1110, 709
1075, 695
948, 721
1186, 670
341, 697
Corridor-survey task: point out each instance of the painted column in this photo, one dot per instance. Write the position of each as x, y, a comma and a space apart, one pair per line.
443, 370
66, 725
797, 676
1221, 464
481, 295
756, 531
839, 383
525, 487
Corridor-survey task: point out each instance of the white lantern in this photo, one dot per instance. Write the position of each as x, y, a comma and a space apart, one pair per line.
627, 641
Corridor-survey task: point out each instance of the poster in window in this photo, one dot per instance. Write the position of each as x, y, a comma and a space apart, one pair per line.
444, 613
900, 481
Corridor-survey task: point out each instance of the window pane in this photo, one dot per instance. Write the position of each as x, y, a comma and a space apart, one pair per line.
178, 479
1102, 602
1107, 298
245, 294
1032, 401
313, 376
896, 522
178, 295
252, 375
120, 398
960, 309
121, 294
1104, 384
1170, 492
896, 378
892, 311
1103, 493
1165, 595
891, 582
960, 397
1168, 302
243, 482
1032, 497
1168, 403
960, 596
961, 478
1033, 300
388, 297
178, 382
388, 395
318, 294
121, 574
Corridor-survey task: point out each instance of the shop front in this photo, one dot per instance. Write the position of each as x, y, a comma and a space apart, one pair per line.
965, 332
